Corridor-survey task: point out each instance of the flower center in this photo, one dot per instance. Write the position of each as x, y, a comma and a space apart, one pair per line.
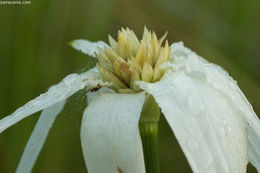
129, 60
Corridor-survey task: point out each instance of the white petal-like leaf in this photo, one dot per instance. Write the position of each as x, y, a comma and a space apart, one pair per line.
110, 136
88, 47
222, 82
209, 129
206, 109
68, 86
38, 137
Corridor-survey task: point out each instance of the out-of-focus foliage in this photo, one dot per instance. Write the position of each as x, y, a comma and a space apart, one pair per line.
34, 55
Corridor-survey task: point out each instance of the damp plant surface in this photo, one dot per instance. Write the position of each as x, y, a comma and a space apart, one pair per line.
136, 81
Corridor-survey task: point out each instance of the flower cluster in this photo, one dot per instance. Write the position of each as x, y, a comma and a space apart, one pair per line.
130, 60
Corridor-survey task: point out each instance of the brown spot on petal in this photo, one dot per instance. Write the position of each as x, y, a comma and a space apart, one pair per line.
119, 170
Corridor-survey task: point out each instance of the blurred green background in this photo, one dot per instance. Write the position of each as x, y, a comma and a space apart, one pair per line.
34, 55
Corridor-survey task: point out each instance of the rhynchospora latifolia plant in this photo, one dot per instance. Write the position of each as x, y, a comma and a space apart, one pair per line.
134, 82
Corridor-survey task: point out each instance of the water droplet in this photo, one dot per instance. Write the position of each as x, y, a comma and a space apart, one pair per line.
209, 164
192, 143
225, 121
202, 107
221, 131
230, 111
190, 99
196, 102
222, 114
229, 129
230, 145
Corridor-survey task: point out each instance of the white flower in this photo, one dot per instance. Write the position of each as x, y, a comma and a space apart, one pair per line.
212, 120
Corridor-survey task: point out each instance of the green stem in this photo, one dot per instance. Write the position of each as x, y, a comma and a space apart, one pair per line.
148, 127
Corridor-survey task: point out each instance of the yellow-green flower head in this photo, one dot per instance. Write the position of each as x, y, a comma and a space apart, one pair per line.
129, 59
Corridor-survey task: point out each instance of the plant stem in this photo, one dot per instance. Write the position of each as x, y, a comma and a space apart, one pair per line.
148, 127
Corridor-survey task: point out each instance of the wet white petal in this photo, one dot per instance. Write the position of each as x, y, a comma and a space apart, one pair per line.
88, 47
222, 82
38, 137
209, 129
68, 86
109, 134
205, 108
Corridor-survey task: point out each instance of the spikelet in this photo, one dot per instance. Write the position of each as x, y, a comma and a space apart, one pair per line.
129, 60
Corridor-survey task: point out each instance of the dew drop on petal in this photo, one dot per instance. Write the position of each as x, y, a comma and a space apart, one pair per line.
192, 144
209, 163
221, 131
225, 122
229, 129
195, 101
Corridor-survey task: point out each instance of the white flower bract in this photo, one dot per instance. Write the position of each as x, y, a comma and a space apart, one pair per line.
212, 120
